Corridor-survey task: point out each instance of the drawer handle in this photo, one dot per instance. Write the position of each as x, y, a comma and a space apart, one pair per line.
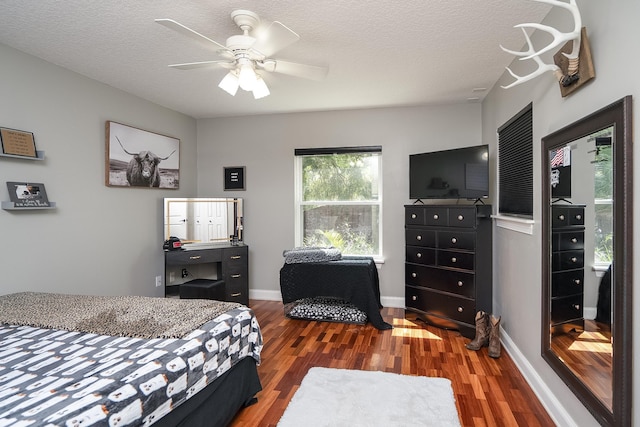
236, 257
237, 294
419, 255
576, 281
460, 217
414, 298
195, 257
574, 259
454, 259
576, 306
235, 276
460, 283
460, 309
418, 237
561, 217
436, 216
574, 240
414, 275
454, 240
414, 216
578, 217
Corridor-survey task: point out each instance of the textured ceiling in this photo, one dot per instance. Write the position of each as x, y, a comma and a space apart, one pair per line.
379, 53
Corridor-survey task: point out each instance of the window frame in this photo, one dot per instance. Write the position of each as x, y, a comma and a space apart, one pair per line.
299, 154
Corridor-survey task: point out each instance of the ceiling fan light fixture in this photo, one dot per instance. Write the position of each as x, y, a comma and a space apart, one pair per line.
260, 90
230, 83
247, 77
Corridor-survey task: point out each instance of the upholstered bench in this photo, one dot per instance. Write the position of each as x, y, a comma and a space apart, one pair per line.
203, 289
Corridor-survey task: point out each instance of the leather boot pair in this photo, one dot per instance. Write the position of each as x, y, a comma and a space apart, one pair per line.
487, 334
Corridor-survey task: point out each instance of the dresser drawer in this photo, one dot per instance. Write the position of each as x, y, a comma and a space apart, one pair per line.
196, 256
414, 216
455, 282
456, 240
235, 256
462, 217
434, 215
567, 240
440, 304
565, 283
421, 255
567, 260
454, 259
565, 309
566, 216
420, 237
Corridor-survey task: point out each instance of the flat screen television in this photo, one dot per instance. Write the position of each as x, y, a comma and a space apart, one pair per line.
460, 173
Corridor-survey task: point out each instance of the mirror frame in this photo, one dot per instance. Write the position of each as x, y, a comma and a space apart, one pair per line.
618, 115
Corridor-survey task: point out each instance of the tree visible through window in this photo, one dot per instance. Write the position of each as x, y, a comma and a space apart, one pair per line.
603, 183
339, 199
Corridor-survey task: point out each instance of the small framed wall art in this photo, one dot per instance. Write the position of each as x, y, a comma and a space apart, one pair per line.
17, 142
27, 194
234, 178
138, 158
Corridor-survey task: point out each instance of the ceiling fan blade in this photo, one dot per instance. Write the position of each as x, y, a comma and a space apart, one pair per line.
275, 37
205, 64
176, 26
311, 72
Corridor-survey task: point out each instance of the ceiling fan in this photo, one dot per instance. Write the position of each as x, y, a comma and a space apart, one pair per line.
247, 55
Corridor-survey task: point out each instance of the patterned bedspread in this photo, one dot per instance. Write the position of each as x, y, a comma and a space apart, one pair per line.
52, 377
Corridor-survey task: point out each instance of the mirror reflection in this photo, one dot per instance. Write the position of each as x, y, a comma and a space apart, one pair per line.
203, 220
581, 180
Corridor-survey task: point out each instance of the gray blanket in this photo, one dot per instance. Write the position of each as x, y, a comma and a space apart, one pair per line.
129, 316
311, 254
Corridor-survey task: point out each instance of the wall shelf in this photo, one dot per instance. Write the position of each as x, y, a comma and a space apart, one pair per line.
39, 156
10, 206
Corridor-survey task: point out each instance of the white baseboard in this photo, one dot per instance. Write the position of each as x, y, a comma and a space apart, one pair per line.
556, 411
265, 295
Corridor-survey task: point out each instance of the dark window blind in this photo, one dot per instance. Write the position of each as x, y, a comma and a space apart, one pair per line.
515, 164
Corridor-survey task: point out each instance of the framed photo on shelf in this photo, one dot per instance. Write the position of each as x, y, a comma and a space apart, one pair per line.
27, 194
234, 178
138, 158
17, 143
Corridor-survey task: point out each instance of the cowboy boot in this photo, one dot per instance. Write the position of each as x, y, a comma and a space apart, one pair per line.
494, 337
482, 332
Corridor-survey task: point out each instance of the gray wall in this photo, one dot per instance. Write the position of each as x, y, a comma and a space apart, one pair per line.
99, 240
265, 145
517, 278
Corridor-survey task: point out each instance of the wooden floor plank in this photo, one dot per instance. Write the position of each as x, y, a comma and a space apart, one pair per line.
488, 392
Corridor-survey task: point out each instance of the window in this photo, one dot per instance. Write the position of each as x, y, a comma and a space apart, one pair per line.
515, 165
338, 193
603, 190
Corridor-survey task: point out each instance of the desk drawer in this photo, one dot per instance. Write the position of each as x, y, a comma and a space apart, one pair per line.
185, 257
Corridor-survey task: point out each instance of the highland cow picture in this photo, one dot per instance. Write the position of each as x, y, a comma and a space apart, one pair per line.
138, 158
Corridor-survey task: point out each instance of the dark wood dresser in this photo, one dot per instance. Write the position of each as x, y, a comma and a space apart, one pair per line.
567, 268
448, 264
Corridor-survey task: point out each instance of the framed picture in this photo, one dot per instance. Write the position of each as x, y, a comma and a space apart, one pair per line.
17, 142
27, 194
138, 158
234, 178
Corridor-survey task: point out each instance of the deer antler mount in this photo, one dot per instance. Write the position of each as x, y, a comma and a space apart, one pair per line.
573, 64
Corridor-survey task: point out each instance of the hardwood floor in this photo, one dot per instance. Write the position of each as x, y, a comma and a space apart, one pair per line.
488, 392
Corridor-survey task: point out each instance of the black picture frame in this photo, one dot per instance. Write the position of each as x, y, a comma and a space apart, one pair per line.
234, 178
28, 194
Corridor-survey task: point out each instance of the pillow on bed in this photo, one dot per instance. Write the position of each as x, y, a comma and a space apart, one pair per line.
311, 254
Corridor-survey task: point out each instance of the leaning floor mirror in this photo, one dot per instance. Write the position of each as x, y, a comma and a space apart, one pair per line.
587, 203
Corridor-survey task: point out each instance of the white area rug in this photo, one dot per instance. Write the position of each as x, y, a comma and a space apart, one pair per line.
342, 397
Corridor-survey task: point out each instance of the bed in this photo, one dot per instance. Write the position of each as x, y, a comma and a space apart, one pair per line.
75, 360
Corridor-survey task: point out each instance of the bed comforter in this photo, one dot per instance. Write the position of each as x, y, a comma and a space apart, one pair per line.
57, 377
